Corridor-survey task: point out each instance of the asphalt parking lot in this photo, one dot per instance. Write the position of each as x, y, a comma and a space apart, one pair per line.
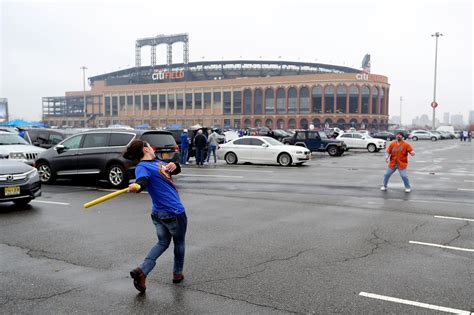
320, 238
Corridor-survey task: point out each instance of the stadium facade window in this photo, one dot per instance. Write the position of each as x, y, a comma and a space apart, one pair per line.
162, 101
258, 102
207, 100
237, 103
269, 102
129, 103
107, 106
280, 124
382, 103
237, 122
154, 102
329, 99
317, 99
247, 123
122, 103
114, 106
179, 100
269, 123
216, 96
197, 100
280, 102
138, 103
146, 102
316, 123
304, 100
292, 101
353, 99
365, 99
227, 104
375, 99
258, 122
292, 123
341, 99
247, 103
189, 100
227, 122
304, 123
170, 101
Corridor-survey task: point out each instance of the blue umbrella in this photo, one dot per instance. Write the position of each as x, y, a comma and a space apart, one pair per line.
144, 126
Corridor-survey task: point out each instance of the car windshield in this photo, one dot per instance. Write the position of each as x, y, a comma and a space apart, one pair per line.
323, 135
272, 141
9, 139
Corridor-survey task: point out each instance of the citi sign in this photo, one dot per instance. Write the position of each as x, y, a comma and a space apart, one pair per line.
364, 76
162, 74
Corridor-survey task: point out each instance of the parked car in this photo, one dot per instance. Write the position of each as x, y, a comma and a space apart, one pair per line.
316, 141
47, 138
19, 182
257, 149
14, 147
386, 135
278, 134
99, 153
448, 135
440, 134
354, 140
416, 135
404, 132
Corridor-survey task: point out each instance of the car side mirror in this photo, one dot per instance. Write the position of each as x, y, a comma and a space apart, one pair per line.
264, 145
363, 138
59, 148
36, 143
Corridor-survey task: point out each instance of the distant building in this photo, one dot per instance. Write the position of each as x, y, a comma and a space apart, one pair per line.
471, 117
446, 118
395, 120
3, 109
457, 120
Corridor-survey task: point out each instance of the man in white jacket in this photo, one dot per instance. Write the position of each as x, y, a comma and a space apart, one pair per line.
212, 141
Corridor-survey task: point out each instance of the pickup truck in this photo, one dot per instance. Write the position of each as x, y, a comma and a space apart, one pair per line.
316, 141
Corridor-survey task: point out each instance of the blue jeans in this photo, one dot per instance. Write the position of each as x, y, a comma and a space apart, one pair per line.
168, 226
199, 156
184, 155
212, 148
403, 175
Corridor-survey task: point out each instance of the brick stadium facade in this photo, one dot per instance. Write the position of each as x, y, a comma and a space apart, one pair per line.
284, 99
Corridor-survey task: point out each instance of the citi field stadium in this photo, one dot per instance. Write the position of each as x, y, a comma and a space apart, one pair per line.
225, 94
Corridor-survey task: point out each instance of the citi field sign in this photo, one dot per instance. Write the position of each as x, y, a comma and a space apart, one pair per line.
162, 74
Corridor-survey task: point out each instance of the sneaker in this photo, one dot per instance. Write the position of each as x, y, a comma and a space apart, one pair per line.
383, 188
407, 190
178, 277
139, 279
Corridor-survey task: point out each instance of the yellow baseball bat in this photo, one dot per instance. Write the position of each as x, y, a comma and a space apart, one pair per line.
105, 198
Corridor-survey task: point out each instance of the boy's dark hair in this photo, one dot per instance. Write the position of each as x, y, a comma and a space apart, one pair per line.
134, 151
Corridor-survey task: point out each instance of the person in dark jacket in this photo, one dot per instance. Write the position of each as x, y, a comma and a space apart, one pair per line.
200, 142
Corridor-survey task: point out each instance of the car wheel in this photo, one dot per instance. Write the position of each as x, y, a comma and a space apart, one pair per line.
45, 173
414, 138
332, 150
231, 158
117, 176
284, 159
434, 139
372, 148
22, 202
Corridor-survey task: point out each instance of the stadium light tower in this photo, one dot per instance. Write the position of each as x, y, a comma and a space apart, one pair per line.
434, 104
84, 68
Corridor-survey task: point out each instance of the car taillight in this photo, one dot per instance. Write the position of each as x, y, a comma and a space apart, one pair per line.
176, 148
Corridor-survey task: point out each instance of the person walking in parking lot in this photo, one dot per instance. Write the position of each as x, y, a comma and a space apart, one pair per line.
168, 214
184, 146
397, 158
200, 142
213, 141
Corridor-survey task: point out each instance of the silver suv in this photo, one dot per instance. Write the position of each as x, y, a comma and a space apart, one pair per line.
14, 147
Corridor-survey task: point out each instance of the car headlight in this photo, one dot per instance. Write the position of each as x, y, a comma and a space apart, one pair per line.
32, 173
17, 155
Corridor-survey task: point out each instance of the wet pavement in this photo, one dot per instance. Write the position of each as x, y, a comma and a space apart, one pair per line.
320, 238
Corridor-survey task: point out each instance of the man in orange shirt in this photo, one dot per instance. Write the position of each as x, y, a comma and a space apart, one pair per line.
397, 158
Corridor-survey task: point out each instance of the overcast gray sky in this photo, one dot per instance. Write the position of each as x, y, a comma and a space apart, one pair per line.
43, 44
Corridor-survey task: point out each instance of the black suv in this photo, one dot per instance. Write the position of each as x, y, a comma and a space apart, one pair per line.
99, 153
316, 141
192, 132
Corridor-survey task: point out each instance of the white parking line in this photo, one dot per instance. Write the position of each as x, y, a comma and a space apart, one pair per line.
442, 246
452, 218
203, 175
442, 174
231, 170
413, 303
468, 181
52, 202
466, 189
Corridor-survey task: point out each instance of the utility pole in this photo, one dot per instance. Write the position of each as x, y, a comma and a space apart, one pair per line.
84, 68
434, 104
401, 100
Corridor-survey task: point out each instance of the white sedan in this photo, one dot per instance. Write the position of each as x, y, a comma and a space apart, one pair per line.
264, 150
355, 140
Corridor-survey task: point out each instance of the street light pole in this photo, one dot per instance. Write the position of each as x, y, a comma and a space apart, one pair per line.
401, 99
84, 68
437, 35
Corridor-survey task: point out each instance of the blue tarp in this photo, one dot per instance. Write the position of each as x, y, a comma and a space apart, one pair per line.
22, 123
175, 126
144, 126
